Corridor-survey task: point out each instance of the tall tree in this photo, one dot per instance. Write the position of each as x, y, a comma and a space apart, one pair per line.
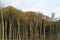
51, 27
2, 21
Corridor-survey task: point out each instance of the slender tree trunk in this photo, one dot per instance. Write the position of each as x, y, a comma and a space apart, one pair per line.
5, 29
40, 30
10, 30
31, 33
13, 29
56, 35
36, 31
19, 38
2, 25
26, 31
0, 31
21, 30
22, 33
44, 33
50, 32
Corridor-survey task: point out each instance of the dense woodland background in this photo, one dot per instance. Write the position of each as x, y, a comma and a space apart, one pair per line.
16, 24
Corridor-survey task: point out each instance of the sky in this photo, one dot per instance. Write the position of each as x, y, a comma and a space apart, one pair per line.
44, 6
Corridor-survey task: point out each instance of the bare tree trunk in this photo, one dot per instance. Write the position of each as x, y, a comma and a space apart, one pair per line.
24, 38
5, 29
10, 30
0, 31
22, 33
44, 33
50, 33
13, 31
31, 33
19, 38
56, 32
40, 30
36, 31
26, 31
2, 25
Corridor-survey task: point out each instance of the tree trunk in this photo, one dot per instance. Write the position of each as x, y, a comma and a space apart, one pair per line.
26, 31
10, 30
40, 30
36, 31
2, 25
0, 31
19, 38
5, 29
50, 33
13, 31
31, 32
44, 33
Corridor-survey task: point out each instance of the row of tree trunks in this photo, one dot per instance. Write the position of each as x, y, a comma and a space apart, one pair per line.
33, 34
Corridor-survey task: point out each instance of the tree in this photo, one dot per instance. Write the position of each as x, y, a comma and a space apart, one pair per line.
51, 27
30, 19
2, 22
